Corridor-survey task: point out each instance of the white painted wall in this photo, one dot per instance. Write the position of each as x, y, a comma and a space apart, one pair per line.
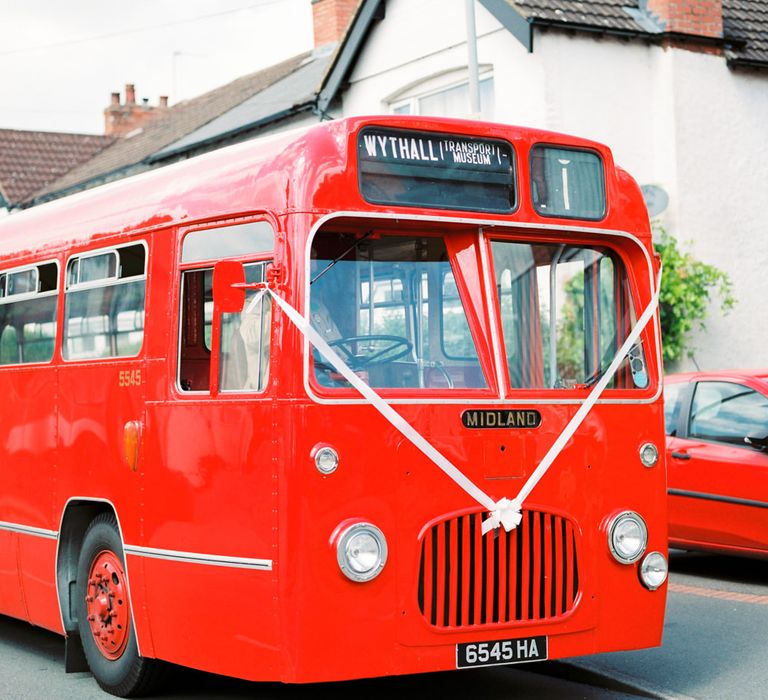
674, 118
721, 132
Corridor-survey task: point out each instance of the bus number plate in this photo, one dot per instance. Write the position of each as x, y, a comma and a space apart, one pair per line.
503, 651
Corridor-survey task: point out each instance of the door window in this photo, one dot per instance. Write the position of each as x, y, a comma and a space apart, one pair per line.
728, 412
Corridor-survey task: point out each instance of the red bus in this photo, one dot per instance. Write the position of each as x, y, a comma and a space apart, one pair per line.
392, 381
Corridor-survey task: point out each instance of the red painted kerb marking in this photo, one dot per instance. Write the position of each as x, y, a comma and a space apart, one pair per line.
720, 595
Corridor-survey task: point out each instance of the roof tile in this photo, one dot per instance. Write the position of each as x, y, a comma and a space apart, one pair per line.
29, 160
743, 20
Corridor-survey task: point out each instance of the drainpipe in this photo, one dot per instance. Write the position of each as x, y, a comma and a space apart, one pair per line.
474, 77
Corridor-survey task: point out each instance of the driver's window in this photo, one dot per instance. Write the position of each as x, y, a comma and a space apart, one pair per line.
244, 354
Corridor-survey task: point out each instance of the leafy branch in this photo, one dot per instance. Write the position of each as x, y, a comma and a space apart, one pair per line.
686, 288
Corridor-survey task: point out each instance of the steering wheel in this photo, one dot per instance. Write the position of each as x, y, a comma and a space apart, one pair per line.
394, 347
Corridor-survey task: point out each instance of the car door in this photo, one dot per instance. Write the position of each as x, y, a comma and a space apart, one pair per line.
719, 483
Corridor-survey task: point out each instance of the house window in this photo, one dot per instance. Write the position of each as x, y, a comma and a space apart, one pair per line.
446, 100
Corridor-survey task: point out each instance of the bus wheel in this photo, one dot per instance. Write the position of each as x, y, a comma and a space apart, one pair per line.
104, 614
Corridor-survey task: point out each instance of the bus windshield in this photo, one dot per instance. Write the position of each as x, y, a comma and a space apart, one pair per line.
565, 311
390, 306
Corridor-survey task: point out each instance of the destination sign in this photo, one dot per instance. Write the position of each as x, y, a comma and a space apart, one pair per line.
444, 171
501, 418
434, 149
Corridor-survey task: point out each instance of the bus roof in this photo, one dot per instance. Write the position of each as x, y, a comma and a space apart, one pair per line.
227, 182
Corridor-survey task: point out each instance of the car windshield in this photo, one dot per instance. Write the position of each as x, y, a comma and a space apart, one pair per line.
391, 308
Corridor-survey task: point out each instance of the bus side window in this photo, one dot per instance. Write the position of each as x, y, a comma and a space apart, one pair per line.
28, 302
104, 304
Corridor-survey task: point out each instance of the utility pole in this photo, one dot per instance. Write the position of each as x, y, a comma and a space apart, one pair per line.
474, 73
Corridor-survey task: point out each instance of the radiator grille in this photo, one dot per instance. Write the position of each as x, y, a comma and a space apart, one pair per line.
467, 579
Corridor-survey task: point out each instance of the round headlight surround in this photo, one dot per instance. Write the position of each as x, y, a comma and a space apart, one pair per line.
654, 570
649, 454
326, 458
621, 528
354, 548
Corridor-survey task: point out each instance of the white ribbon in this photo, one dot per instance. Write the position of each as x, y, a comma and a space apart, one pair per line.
505, 512
594, 395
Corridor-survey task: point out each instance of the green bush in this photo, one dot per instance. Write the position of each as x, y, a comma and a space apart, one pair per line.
686, 286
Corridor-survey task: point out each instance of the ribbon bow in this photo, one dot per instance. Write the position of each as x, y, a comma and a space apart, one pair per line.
506, 513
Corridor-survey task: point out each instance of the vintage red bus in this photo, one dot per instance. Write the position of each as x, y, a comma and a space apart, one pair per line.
380, 396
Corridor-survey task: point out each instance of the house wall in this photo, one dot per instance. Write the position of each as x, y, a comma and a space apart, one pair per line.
721, 134
674, 118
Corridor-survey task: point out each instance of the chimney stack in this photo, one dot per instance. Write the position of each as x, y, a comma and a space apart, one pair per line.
330, 20
122, 119
696, 17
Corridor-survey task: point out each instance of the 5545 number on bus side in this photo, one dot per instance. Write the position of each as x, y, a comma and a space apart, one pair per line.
129, 377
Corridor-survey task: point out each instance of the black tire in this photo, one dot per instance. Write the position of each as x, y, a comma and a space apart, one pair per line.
127, 674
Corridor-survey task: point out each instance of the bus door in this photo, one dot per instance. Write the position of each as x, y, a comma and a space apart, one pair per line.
210, 479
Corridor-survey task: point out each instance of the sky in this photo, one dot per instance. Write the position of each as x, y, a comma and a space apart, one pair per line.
60, 60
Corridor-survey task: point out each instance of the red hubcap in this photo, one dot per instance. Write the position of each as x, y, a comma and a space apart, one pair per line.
106, 604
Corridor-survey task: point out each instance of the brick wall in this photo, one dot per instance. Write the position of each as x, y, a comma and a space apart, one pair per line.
698, 17
331, 18
123, 118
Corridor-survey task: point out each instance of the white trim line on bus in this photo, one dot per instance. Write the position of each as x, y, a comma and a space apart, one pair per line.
195, 558
491, 224
134, 550
29, 530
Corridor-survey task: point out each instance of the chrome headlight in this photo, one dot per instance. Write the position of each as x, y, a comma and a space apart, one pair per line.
627, 537
361, 551
653, 570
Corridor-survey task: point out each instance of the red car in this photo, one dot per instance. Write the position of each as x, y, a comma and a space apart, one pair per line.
717, 461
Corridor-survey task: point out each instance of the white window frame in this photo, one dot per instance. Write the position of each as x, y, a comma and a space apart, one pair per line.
435, 85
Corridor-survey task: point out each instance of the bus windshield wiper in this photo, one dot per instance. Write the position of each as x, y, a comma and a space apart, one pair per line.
593, 378
340, 257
